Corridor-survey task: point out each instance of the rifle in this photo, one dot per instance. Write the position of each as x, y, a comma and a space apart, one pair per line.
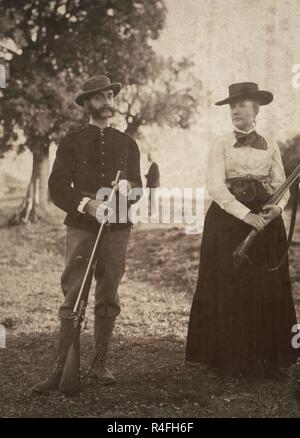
240, 253
70, 379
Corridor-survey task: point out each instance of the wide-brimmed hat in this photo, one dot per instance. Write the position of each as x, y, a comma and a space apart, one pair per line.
94, 85
244, 90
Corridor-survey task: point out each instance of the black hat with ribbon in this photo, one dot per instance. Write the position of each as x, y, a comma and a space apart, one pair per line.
94, 85
247, 90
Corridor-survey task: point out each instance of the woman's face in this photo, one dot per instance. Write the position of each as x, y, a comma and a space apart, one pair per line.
243, 113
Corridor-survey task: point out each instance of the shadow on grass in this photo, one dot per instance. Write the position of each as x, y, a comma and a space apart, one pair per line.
151, 382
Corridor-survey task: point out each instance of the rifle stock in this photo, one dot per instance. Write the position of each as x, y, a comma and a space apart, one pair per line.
241, 251
70, 384
70, 380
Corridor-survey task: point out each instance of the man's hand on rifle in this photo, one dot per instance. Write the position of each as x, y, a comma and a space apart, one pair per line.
98, 209
271, 212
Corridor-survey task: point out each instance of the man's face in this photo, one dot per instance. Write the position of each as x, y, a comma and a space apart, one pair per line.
101, 105
243, 113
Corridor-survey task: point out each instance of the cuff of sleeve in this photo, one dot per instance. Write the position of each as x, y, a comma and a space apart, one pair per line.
237, 209
82, 204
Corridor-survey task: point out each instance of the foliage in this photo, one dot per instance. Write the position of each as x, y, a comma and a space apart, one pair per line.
291, 153
62, 42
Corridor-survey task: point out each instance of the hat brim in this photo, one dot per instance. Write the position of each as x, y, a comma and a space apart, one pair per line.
262, 96
81, 97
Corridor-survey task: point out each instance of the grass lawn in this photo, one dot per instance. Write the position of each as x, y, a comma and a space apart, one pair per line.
148, 348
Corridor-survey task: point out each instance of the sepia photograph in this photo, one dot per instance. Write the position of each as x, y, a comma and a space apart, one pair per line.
149, 188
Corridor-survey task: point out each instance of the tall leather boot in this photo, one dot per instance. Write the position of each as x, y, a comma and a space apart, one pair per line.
103, 332
64, 342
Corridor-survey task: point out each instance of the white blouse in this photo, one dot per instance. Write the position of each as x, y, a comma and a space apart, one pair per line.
225, 161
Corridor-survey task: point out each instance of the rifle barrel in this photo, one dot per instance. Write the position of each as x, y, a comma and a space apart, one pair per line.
93, 256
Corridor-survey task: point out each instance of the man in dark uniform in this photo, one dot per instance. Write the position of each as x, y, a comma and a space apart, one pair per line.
153, 184
86, 161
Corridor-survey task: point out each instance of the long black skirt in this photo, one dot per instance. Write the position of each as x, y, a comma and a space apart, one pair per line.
241, 320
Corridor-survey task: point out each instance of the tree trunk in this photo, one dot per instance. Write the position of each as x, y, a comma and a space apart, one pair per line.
43, 194
36, 202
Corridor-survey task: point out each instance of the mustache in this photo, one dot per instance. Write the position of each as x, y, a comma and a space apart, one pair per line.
106, 108
98, 111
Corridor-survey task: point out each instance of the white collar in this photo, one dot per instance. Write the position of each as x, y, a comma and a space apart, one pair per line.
244, 132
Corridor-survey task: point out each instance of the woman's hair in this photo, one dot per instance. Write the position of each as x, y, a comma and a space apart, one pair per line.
255, 106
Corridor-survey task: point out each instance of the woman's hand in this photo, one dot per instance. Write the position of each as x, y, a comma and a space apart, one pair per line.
271, 212
255, 221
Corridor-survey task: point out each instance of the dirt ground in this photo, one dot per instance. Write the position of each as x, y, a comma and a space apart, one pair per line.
148, 347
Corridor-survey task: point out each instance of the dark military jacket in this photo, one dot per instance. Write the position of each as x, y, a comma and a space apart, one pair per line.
153, 176
86, 161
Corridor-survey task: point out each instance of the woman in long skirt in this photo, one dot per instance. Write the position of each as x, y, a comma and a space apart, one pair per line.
242, 320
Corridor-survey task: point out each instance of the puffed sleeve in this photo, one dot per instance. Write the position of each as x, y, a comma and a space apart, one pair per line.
216, 186
278, 176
